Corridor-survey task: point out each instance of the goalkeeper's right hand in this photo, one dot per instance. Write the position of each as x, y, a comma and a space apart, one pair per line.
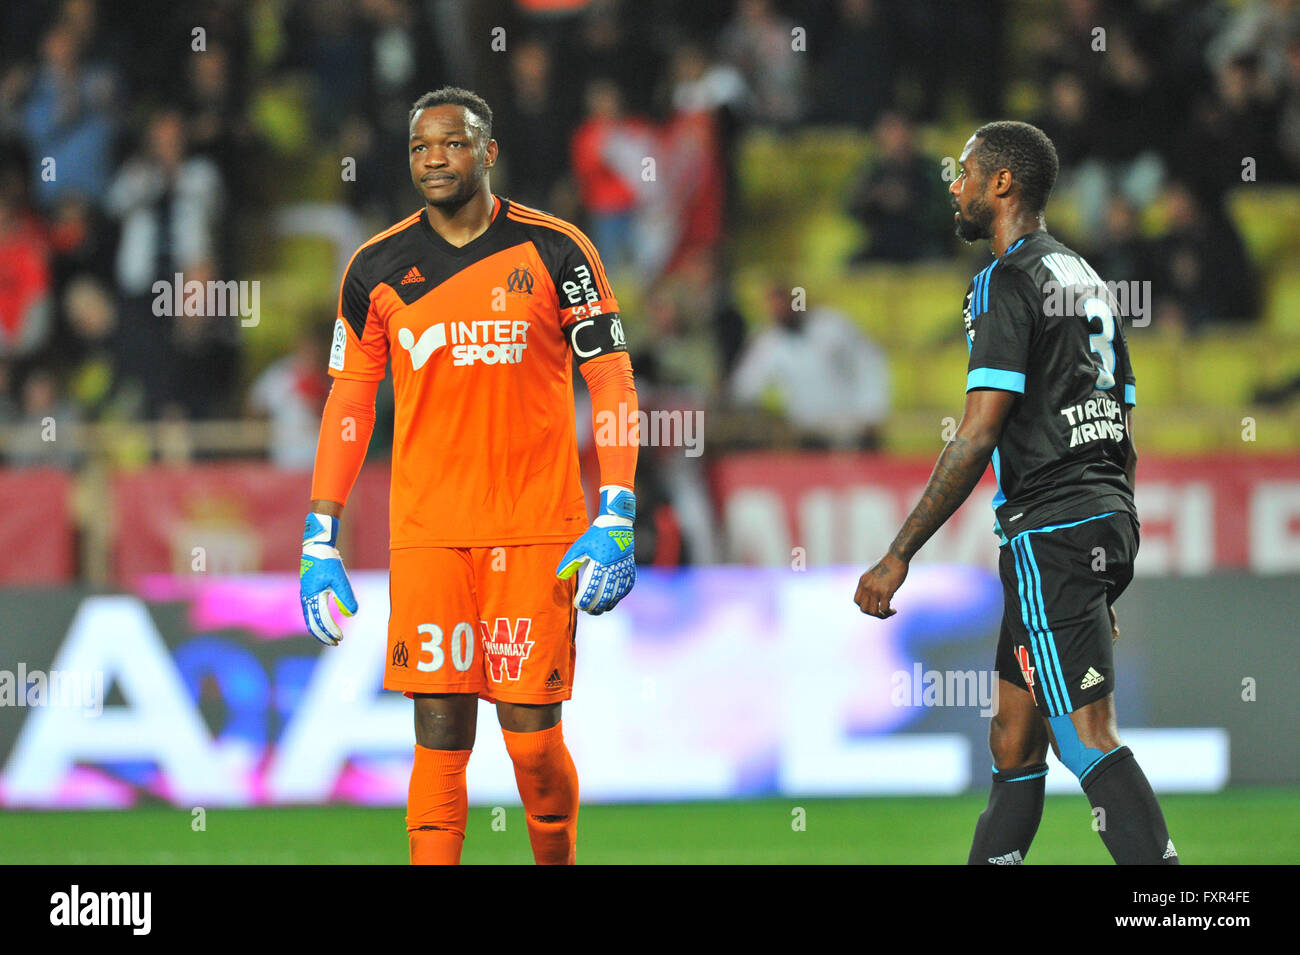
321, 576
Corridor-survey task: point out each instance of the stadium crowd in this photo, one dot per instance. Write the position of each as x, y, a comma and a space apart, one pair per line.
144, 140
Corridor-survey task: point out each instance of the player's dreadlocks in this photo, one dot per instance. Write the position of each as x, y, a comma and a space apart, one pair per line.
455, 96
1027, 152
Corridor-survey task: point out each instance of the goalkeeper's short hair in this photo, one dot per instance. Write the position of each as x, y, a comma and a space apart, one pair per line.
456, 96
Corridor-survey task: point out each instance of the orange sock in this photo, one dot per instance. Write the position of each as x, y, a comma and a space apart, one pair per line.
437, 806
548, 785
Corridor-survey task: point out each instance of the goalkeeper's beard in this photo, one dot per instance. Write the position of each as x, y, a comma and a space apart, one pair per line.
466, 190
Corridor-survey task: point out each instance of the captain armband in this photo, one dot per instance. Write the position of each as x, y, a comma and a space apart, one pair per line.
592, 337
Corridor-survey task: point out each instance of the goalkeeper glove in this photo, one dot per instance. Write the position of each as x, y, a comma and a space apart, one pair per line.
604, 557
321, 576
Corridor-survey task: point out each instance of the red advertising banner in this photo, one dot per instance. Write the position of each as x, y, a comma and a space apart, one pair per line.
1198, 514
37, 533
234, 518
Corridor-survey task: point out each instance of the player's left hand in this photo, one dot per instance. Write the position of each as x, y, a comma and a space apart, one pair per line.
877, 586
1114, 627
604, 558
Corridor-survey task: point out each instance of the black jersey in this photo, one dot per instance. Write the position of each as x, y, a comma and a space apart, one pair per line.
1041, 323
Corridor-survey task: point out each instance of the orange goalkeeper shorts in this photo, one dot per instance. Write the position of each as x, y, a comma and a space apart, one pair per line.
495, 621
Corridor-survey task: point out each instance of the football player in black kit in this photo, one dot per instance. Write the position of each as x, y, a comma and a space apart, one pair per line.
1049, 399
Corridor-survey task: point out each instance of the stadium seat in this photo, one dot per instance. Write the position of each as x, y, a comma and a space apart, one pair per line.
1156, 365
1177, 432
941, 379
904, 373
928, 302
913, 434
1281, 361
1266, 217
292, 297
1274, 430
1282, 302
1219, 370
1201, 387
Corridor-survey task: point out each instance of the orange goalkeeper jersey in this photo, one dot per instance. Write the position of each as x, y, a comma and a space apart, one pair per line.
480, 337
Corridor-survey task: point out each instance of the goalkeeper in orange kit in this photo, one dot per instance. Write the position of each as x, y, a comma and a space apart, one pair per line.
482, 305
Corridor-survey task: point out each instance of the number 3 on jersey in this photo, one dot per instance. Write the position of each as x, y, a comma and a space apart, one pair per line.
1100, 342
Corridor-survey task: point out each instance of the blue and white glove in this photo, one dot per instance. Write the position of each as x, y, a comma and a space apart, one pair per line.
604, 557
321, 576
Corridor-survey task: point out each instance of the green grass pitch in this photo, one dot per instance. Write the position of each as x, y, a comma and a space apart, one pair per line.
1240, 826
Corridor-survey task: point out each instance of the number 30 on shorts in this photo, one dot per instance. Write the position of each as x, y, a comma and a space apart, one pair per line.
462, 647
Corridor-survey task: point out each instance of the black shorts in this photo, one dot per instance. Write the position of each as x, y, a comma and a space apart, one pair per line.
1058, 583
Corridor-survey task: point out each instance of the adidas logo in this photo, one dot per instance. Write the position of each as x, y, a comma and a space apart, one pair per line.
555, 681
412, 276
1170, 851
1091, 679
1011, 858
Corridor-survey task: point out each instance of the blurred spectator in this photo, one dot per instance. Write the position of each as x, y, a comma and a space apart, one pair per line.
68, 118
684, 356
402, 58
329, 41
394, 56
216, 123
1129, 122
81, 240
701, 85
612, 43
689, 191
1260, 30
25, 288
211, 105
1201, 271
856, 71
169, 206
1119, 253
1067, 122
900, 199
1289, 112
91, 355
45, 419
1066, 41
760, 43
712, 92
532, 124
940, 38
674, 82
609, 150
1237, 120
820, 371
291, 392
8, 406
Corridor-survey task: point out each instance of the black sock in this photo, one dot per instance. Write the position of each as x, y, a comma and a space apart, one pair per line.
1133, 826
1008, 825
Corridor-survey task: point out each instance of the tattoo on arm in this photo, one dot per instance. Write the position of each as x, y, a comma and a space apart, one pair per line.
959, 469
